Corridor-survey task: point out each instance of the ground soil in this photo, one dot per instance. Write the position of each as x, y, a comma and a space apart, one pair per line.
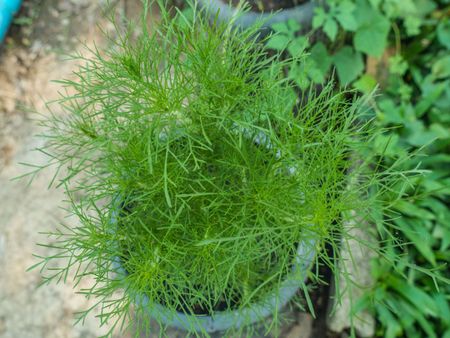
269, 5
30, 58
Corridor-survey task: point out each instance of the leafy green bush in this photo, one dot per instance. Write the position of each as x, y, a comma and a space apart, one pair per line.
412, 105
195, 173
352, 29
417, 99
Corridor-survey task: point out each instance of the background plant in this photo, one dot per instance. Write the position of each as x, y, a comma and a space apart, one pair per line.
404, 47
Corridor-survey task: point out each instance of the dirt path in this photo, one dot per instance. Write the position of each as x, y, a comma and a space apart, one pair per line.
28, 63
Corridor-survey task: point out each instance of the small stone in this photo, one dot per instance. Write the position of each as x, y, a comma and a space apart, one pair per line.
303, 328
6, 153
54, 13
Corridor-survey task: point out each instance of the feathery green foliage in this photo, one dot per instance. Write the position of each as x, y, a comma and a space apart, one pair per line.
195, 172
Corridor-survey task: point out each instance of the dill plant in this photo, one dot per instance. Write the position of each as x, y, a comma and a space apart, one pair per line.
195, 173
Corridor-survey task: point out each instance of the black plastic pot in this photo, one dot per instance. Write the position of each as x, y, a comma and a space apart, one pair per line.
302, 14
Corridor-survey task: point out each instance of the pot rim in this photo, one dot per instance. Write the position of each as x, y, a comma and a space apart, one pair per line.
302, 13
224, 320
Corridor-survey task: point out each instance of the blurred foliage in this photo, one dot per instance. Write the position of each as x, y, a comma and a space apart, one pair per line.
403, 46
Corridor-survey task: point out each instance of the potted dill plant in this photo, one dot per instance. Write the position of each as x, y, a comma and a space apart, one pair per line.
203, 188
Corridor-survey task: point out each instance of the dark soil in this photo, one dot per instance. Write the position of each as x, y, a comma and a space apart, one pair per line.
269, 5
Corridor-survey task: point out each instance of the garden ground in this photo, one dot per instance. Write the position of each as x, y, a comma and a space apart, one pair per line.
29, 60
